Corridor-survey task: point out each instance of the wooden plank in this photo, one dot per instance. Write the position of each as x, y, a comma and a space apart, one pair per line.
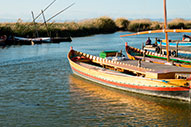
149, 70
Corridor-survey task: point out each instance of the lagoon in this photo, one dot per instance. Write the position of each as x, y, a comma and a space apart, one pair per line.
38, 88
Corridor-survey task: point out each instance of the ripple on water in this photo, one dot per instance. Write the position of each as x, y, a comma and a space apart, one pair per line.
37, 89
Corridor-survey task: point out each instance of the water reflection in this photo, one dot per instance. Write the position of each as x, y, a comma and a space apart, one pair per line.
35, 90
115, 107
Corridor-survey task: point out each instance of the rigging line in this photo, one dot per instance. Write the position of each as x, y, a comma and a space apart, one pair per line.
60, 12
123, 40
44, 10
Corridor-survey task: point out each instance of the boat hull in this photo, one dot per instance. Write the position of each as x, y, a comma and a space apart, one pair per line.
174, 43
134, 52
130, 83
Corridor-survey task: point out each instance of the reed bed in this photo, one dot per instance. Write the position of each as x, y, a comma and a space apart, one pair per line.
179, 24
122, 24
86, 27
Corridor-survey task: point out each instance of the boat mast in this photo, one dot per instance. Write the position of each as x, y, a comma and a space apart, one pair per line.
166, 33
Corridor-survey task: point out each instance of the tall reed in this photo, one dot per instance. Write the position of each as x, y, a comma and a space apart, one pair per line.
122, 24
86, 27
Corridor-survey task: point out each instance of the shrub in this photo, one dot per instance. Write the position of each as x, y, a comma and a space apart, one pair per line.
177, 24
105, 25
122, 23
139, 25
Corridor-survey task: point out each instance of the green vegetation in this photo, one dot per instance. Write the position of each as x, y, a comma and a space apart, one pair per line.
122, 24
101, 25
180, 24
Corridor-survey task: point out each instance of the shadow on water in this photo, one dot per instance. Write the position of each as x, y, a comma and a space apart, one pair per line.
108, 106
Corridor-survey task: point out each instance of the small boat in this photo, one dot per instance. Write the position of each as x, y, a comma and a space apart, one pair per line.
186, 41
40, 40
174, 43
31, 41
138, 54
3, 40
130, 75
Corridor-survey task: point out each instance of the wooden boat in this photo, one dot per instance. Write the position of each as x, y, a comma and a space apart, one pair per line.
149, 78
180, 51
40, 40
31, 41
166, 31
174, 43
186, 41
138, 54
3, 40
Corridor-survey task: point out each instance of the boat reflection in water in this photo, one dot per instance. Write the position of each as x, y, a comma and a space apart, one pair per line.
114, 107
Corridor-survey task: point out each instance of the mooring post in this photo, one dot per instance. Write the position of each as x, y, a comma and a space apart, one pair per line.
190, 95
144, 55
143, 46
160, 47
139, 63
190, 91
177, 48
156, 42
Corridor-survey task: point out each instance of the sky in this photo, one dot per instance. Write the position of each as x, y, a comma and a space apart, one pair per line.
12, 10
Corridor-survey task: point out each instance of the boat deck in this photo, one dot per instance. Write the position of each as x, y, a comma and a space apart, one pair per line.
139, 68
150, 70
159, 68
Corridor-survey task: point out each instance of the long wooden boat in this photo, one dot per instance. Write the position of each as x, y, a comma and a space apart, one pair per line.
135, 54
174, 43
183, 51
186, 41
31, 41
40, 40
149, 78
3, 40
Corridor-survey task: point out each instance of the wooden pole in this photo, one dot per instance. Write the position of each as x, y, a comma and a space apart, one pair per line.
37, 35
177, 49
143, 46
160, 47
166, 33
144, 54
45, 23
60, 12
156, 42
43, 10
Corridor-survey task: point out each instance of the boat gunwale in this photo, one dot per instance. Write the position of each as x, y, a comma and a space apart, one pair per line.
127, 75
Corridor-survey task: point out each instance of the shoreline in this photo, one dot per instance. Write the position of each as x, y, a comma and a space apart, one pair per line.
101, 25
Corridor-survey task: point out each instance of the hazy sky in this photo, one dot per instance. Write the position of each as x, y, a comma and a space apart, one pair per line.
84, 9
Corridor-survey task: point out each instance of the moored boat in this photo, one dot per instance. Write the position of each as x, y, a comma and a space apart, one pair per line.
135, 54
186, 41
149, 78
31, 41
3, 40
40, 40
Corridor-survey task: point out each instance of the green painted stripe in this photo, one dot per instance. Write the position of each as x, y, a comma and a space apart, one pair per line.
182, 61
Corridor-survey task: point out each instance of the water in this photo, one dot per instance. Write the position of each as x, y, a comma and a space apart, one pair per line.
38, 89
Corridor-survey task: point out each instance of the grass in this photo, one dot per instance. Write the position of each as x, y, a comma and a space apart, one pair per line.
87, 27
179, 24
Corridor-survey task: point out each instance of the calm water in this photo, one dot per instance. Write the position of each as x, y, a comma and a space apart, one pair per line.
38, 89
